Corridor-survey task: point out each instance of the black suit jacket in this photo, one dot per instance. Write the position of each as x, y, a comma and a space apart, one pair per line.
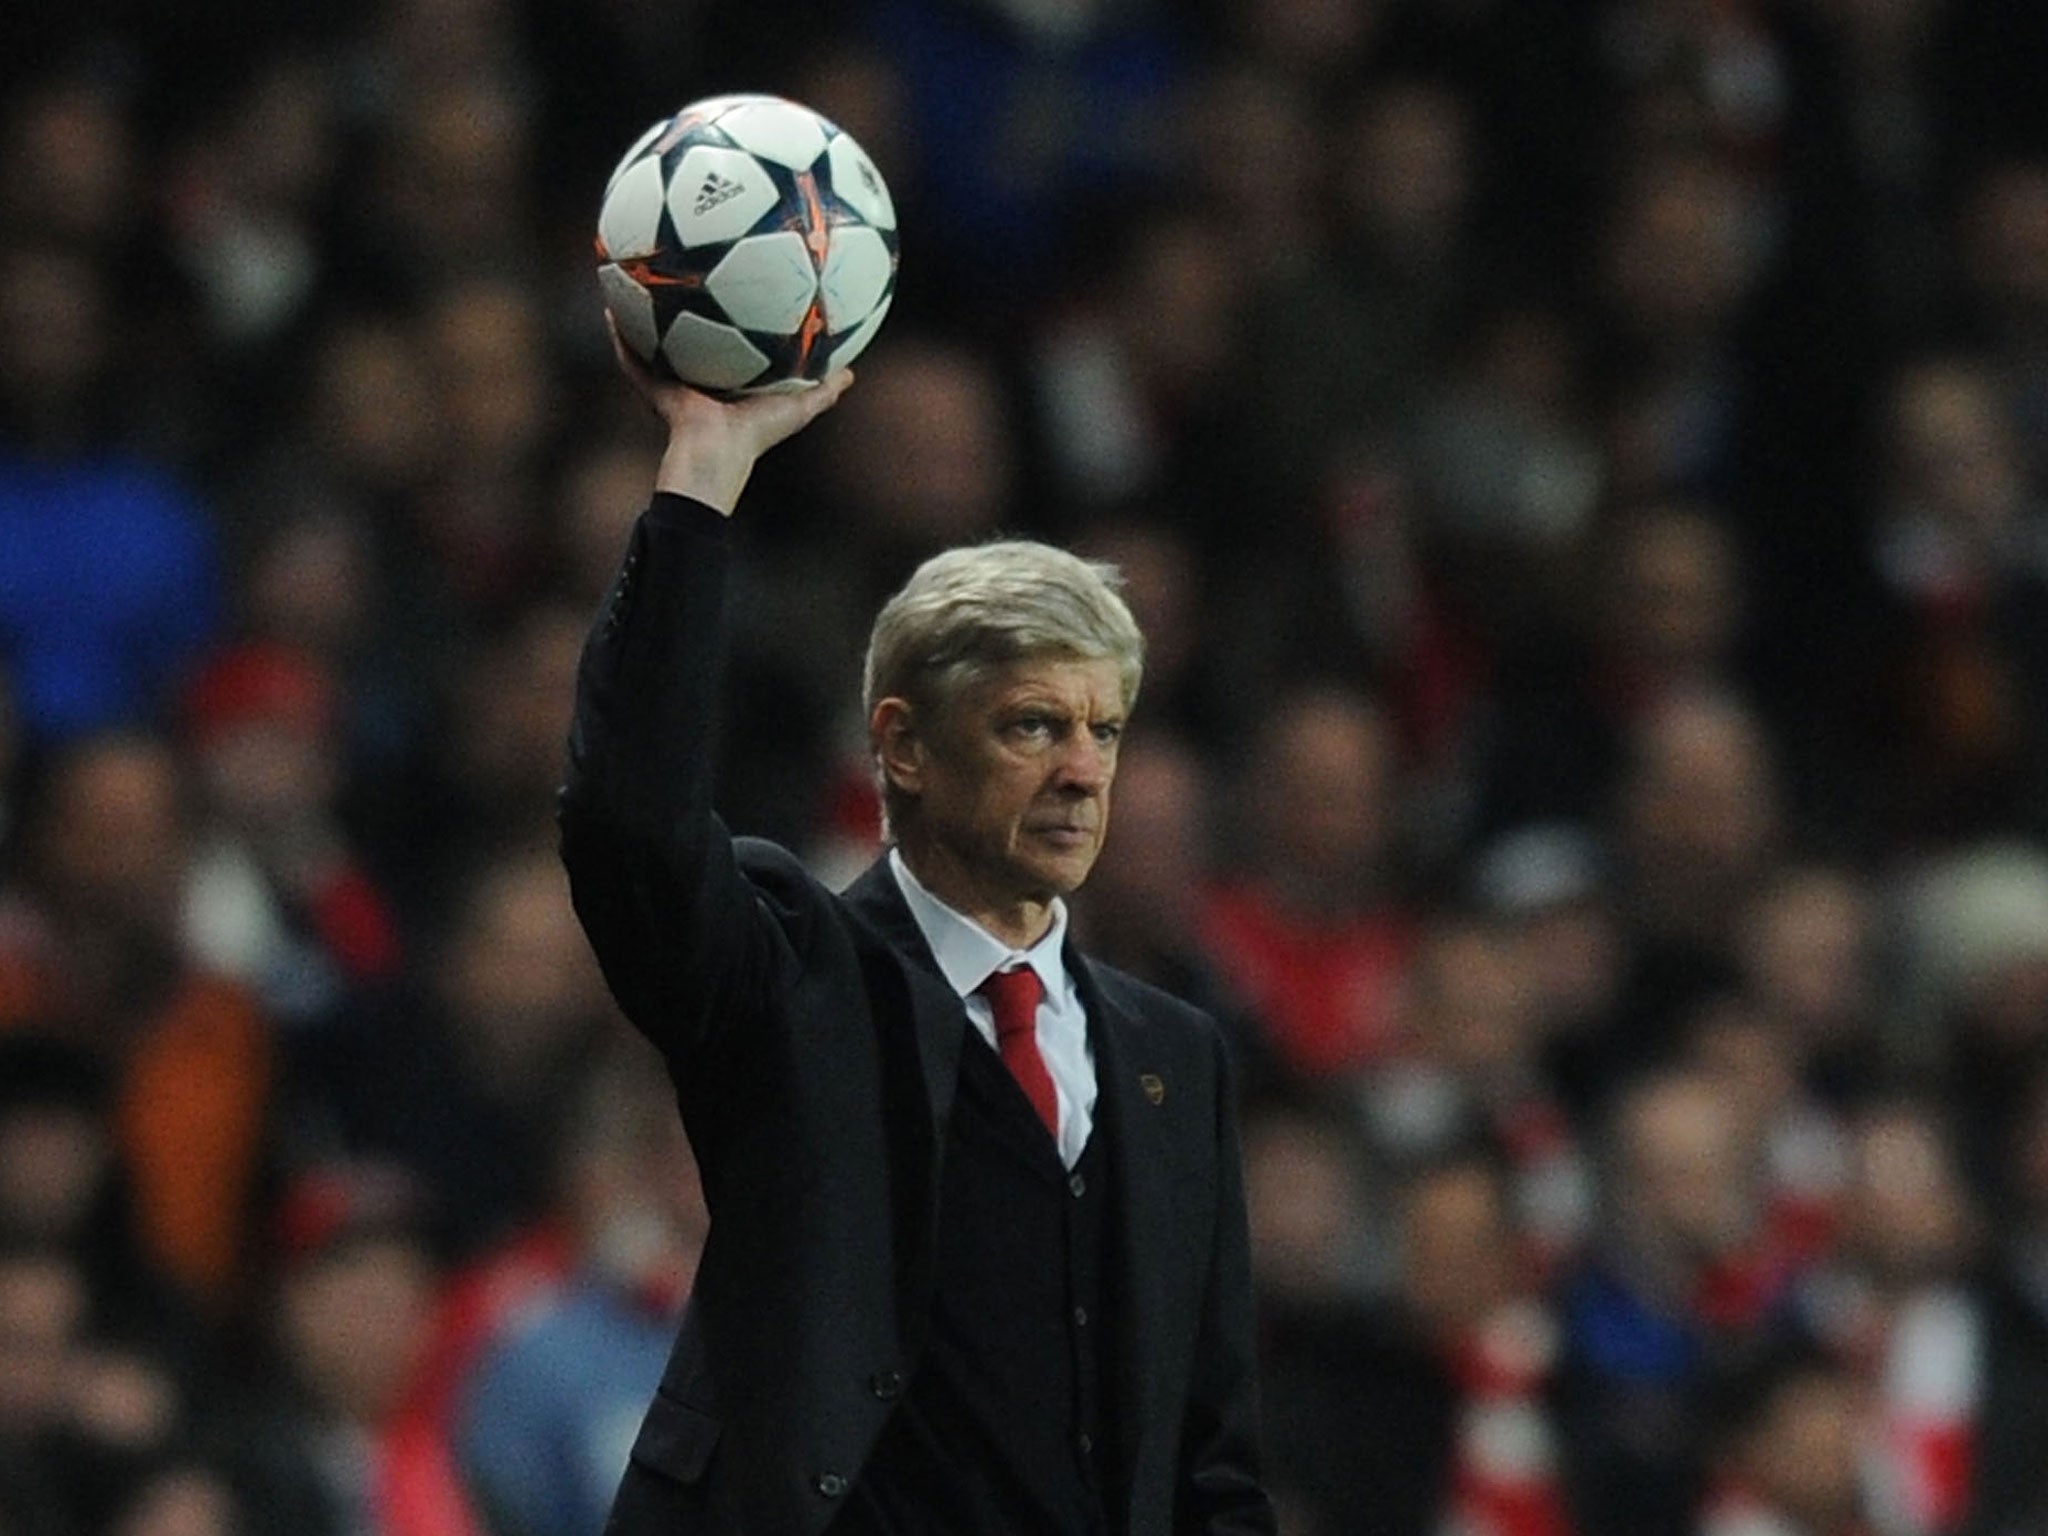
814, 1048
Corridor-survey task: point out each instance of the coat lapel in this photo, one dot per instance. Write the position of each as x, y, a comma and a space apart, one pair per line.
938, 1020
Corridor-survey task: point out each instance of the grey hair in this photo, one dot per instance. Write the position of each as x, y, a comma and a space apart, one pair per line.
967, 613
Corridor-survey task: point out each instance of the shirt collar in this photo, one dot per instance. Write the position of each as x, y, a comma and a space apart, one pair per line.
968, 954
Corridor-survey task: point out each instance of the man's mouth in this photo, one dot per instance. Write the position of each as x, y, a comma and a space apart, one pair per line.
1065, 835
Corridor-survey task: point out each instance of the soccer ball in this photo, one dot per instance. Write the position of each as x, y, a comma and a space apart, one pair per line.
746, 245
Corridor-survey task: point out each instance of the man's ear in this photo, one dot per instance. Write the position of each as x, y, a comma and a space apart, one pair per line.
898, 746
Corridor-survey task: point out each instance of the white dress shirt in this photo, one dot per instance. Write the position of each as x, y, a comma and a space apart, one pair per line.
968, 954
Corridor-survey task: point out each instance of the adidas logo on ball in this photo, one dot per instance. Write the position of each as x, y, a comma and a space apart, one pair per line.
716, 189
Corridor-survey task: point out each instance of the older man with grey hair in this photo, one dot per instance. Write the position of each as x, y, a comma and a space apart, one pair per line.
977, 1261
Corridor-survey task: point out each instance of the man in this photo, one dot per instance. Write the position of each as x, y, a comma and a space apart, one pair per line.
977, 1259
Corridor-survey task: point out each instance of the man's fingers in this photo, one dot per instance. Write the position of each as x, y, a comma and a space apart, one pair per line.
779, 416
832, 386
816, 402
629, 364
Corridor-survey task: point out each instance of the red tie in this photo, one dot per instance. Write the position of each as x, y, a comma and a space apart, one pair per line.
1015, 995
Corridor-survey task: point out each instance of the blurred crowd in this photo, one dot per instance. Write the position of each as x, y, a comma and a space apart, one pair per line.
1581, 468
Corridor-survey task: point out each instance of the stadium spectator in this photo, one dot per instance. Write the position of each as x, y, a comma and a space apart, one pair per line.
506, 722
1430, 1402
63, 1183
1809, 950
1665, 616
1020, 119
550, 1410
1804, 1142
184, 1495
247, 191
446, 197
1506, 455
1678, 1285
276, 897
1468, 1071
460, 1081
477, 525
1902, 1306
91, 948
77, 1409
1547, 886
1697, 827
926, 460
71, 163
1315, 1246
43, 1301
108, 587
1963, 573
591, 515
370, 425
1386, 608
1251, 147
347, 1445
1975, 989
1395, 267
1789, 1451
1308, 924
1479, 1311
1678, 267
1125, 383
309, 583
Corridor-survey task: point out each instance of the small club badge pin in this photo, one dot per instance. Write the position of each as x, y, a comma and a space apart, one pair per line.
1154, 1087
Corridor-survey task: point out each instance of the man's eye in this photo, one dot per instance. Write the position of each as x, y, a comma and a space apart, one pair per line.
1108, 735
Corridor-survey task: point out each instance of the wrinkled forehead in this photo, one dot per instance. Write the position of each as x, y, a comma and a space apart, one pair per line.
1095, 686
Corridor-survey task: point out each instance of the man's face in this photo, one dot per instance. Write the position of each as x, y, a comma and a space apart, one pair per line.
1013, 781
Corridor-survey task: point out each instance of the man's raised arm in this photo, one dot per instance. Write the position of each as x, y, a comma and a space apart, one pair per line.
650, 865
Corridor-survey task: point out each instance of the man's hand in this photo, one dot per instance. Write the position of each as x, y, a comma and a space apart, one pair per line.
712, 444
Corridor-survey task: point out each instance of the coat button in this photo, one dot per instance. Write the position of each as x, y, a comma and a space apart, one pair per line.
1085, 1444
886, 1385
1078, 1185
830, 1484
1080, 1317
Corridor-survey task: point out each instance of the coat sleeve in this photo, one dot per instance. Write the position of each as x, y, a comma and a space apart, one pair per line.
684, 939
1220, 1492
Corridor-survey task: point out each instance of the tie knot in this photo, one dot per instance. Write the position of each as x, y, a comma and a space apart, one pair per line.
1014, 997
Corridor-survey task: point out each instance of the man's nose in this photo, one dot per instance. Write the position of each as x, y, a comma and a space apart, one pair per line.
1084, 764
